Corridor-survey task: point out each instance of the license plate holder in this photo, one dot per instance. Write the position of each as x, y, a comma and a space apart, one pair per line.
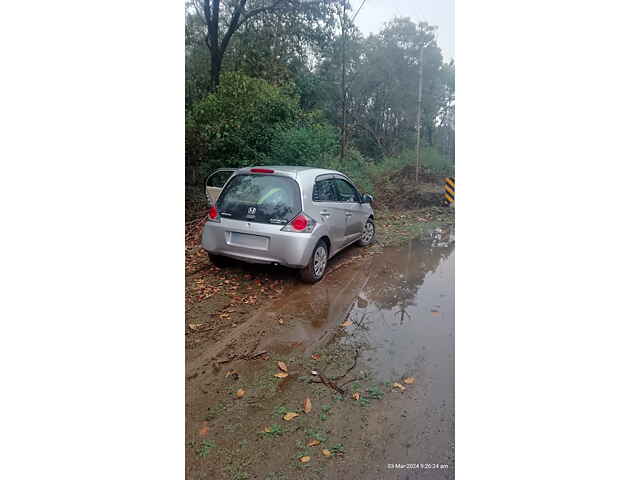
247, 240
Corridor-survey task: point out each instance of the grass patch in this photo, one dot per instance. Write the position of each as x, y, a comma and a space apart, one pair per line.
205, 447
280, 411
274, 430
213, 412
316, 435
374, 392
337, 448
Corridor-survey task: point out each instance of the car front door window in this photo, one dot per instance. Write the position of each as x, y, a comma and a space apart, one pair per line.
345, 191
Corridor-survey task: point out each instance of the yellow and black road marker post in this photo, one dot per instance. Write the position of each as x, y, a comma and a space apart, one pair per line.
449, 190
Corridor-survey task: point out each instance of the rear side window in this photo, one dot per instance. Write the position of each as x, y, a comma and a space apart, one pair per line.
260, 198
218, 179
323, 191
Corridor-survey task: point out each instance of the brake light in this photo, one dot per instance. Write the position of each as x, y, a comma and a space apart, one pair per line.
213, 214
302, 223
261, 170
299, 223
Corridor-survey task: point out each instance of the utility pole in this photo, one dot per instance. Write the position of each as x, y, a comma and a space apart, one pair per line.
343, 145
419, 115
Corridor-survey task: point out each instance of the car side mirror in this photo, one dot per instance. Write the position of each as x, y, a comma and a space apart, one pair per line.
366, 198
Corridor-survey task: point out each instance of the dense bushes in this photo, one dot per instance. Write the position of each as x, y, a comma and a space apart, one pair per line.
235, 125
248, 121
315, 144
430, 160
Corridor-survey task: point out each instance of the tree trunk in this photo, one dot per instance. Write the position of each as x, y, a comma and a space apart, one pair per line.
216, 67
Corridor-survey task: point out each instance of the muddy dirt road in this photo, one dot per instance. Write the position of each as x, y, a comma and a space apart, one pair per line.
371, 347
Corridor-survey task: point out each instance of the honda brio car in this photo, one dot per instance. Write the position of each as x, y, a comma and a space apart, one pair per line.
298, 217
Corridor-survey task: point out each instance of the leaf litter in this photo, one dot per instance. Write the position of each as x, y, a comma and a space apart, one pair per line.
307, 405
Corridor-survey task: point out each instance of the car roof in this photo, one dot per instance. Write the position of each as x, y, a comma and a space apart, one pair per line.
292, 170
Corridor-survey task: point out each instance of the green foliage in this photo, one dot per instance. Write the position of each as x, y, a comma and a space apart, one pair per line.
374, 392
280, 97
318, 435
275, 430
280, 411
205, 447
430, 158
235, 125
312, 145
337, 448
355, 166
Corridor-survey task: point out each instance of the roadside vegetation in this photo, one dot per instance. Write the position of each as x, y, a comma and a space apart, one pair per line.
297, 83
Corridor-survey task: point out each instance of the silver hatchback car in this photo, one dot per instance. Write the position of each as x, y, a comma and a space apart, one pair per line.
298, 217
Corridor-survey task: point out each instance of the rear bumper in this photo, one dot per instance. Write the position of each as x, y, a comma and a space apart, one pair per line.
290, 249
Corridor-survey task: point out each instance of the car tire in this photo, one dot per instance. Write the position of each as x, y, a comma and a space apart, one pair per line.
218, 260
368, 234
317, 266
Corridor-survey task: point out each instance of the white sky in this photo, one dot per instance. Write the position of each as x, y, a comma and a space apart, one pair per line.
436, 12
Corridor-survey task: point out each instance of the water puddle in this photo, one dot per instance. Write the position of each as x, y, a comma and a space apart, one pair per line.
401, 307
404, 316
403, 324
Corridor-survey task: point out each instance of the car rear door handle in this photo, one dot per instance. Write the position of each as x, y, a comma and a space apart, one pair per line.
325, 213
348, 214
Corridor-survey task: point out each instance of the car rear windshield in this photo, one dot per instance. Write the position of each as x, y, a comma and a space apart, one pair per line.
260, 198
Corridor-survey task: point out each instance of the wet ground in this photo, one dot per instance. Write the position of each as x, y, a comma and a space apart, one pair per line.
373, 325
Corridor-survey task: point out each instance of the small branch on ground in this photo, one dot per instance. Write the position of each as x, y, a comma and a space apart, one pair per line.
355, 360
329, 384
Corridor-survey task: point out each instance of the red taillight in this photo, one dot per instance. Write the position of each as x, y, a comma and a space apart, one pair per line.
261, 170
213, 213
299, 223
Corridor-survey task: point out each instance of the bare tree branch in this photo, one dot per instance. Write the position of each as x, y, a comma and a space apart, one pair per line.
233, 25
257, 11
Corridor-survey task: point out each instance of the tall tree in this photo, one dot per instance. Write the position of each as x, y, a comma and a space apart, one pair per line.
223, 20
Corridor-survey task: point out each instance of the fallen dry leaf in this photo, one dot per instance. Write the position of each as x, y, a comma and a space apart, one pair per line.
409, 380
356, 396
194, 326
203, 431
346, 324
281, 375
307, 405
282, 366
398, 385
280, 321
326, 452
305, 459
315, 356
290, 416
267, 430
240, 393
313, 443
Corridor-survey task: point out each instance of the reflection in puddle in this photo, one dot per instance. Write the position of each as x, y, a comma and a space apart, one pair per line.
404, 315
403, 324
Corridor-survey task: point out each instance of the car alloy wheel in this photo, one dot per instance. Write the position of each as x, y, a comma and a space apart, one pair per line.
367, 236
319, 261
